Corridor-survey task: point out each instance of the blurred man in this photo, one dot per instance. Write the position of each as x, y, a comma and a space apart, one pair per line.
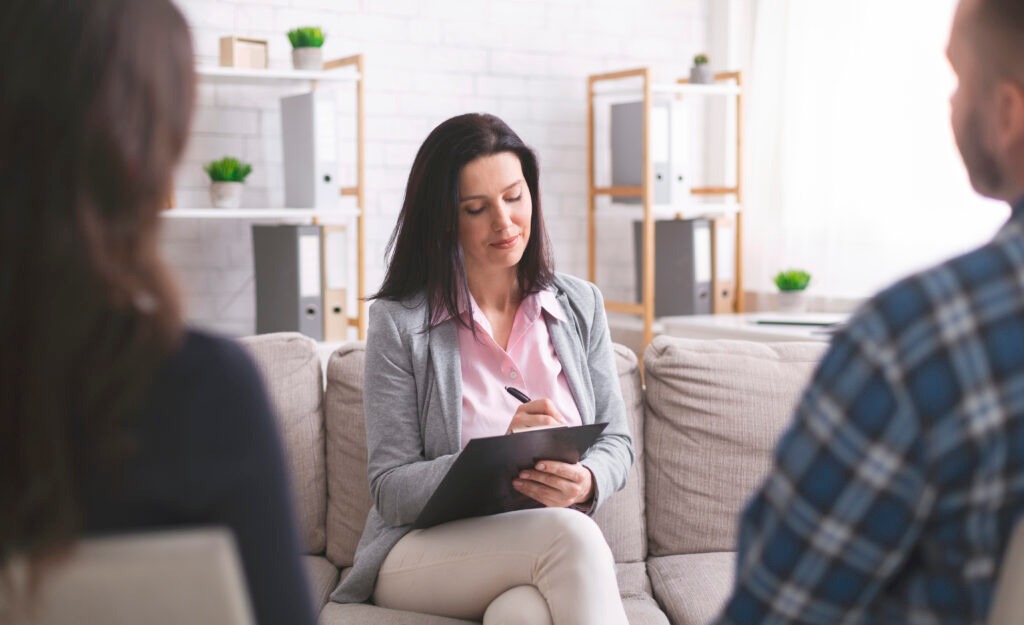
896, 488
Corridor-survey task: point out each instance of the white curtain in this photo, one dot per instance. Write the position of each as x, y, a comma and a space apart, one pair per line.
851, 169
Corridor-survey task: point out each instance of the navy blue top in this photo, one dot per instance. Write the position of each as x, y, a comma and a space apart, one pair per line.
895, 490
209, 454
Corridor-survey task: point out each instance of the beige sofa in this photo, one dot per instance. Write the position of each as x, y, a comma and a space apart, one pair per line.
703, 428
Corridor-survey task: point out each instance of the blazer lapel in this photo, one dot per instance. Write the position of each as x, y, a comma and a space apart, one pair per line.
569, 350
444, 356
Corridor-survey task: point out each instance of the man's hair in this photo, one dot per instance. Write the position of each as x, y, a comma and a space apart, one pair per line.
999, 36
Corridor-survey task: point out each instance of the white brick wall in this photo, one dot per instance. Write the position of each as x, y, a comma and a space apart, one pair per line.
426, 60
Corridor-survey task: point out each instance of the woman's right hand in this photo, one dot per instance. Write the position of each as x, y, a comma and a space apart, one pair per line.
535, 413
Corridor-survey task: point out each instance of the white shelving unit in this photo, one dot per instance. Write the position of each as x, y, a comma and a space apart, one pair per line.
305, 215
725, 212
338, 71
674, 89
243, 76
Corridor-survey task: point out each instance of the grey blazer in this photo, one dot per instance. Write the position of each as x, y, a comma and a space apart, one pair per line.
412, 395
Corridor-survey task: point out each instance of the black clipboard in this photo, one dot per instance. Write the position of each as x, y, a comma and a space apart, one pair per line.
480, 481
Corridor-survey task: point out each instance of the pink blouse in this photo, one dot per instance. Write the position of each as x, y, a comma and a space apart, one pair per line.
529, 364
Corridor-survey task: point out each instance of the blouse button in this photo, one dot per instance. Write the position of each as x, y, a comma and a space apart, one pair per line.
512, 374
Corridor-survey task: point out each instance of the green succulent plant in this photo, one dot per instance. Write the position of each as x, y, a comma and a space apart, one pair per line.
228, 169
792, 280
306, 37
700, 59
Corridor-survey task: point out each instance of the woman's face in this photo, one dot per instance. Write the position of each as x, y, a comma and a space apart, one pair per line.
495, 208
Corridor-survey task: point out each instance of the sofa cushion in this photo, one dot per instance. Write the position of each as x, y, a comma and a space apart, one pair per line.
323, 577
644, 611
291, 373
632, 579
621, 518
348, 489
714, 412
365, 614
692, 588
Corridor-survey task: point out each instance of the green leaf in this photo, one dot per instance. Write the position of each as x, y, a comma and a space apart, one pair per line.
306, 37
792, 280
227, 169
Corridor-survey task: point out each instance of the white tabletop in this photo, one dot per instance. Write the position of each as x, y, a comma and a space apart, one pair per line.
760, 326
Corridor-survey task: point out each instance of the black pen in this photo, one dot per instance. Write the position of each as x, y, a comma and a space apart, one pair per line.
518, 394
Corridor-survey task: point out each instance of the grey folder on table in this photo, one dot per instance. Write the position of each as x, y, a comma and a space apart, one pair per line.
286, 260
480, 481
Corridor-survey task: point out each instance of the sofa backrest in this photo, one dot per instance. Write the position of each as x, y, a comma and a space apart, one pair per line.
291, 372
715, 410
348, 492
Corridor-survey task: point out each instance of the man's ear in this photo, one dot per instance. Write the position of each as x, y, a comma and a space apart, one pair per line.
1010, 116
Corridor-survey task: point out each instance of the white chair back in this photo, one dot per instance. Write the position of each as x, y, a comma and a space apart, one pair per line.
163, 578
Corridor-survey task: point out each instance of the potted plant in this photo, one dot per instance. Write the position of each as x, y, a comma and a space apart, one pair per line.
306, 47
226, 178
791, 284
701, 73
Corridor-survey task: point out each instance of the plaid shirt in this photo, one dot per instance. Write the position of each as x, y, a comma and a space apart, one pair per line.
895, 489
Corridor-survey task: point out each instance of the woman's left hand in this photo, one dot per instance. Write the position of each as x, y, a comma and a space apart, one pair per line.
556, 484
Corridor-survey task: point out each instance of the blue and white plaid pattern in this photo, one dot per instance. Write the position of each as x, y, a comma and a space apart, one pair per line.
895, 489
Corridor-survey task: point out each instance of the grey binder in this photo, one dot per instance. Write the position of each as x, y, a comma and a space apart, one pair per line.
286, 259
682, 266
668, 151
309, 141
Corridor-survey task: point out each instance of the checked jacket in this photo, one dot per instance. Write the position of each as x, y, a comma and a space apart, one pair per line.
895, 489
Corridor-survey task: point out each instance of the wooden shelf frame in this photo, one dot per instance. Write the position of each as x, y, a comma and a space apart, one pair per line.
359, 190
329, 74
726, 83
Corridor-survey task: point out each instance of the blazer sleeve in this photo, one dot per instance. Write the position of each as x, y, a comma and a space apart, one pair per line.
611, 457
402, 478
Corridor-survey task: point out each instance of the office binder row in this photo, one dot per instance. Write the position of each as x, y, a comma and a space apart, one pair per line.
301, 273
693, 273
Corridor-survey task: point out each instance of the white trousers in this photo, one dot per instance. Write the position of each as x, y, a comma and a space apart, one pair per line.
537, 567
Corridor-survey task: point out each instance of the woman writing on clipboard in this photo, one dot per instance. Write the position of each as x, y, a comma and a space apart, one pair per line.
470, 305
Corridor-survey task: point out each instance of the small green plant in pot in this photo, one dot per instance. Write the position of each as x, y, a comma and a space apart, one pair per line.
226, 178
307, 51
700, 73
791, 284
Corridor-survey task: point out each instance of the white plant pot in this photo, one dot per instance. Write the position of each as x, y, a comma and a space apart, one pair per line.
792, 302
226, 194
308, 58
701, 75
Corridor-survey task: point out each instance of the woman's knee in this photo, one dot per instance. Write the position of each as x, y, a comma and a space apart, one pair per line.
578, 535
522, 605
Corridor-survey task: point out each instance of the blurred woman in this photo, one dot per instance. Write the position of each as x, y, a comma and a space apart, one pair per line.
113, 417
471, 304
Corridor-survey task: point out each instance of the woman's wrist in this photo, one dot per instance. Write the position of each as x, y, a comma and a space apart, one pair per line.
586, 501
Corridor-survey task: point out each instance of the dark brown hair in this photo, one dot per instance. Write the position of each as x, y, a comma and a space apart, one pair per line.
95, 108
424, 252
1001, 38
